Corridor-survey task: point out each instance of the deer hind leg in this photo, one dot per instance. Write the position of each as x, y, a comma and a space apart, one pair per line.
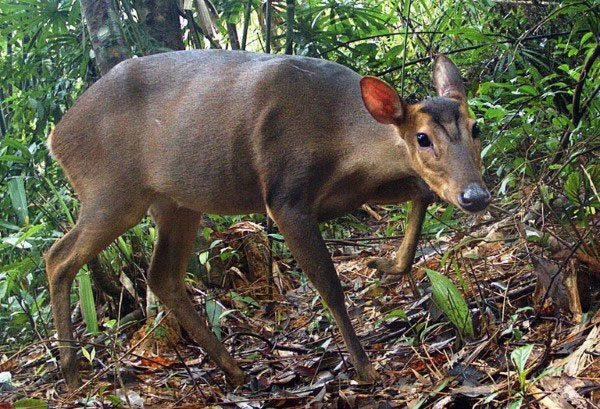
96, 228
177, 229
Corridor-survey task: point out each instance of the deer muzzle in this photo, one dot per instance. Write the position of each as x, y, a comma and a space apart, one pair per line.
474, 198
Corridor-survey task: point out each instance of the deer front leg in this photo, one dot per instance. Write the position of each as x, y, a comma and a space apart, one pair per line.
402, 264
301, 232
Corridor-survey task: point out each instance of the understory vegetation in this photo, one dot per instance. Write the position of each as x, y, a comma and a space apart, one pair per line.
499, 321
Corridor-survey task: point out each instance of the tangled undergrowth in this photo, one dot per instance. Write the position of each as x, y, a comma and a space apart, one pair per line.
528, 347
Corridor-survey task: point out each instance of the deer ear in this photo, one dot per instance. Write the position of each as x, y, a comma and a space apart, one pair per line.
381, 100
447, 79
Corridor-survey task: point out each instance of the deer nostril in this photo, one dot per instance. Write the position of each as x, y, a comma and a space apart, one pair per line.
474, 198
463, 199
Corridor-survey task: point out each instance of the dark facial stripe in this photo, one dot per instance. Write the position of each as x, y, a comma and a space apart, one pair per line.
442, 111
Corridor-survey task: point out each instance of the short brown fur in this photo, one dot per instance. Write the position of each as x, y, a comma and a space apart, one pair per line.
243, 133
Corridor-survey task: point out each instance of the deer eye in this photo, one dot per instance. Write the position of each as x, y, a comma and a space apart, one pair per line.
423, 140
476, 130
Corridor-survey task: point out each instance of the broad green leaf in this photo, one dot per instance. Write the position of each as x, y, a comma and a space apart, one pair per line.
213, 312
18, 197
447, 297
206, 232
86, 299
520, 355
572, 186
203, 257
527, 89
440, 387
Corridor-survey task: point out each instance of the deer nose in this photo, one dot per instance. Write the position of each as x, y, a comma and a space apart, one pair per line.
474, 198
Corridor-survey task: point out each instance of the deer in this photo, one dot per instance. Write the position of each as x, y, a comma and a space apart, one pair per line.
301, 139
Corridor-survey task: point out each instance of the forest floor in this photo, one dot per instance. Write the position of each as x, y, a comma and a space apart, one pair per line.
284, 339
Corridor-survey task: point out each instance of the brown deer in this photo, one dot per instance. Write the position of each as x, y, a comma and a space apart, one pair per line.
233, 132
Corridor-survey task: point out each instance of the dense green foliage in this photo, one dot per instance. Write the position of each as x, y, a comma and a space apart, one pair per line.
523, 62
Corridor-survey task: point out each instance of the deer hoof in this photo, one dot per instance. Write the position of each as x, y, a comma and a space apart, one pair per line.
367, 374
391, 279
73, 384
70, 369
237, 378
383, 266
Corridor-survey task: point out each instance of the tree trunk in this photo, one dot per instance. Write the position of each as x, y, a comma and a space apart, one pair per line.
233, 37
268, 12
289, 32
105, 33
161, 19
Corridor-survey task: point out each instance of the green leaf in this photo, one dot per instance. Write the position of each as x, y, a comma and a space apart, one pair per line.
206, 232
18, 197
245, 299
396, 313
29, 233
86, 299
215, 243
469, 33
520, 355
546, 372
203, 257
447, 297
13, 143
516, 404
3, 287
213, 312
572, 186
527, 89
13, 158
86, 354
61, 201
585, 37
491, 397
30, 404
9, 226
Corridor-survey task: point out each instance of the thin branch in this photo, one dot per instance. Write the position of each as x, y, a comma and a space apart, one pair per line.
194, 35
404, 52
396, 33
473, 47
586, 104
247, 13
577, 112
